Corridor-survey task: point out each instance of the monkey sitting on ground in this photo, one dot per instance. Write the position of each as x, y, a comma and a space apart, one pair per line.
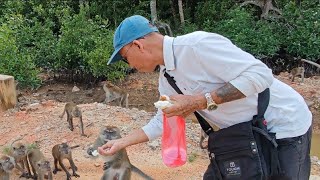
60, 152
40, 166
114, 93
117, 166
296, 72
19, 153
6, 166
73, 111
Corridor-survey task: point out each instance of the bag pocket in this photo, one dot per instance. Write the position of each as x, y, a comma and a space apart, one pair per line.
235, 152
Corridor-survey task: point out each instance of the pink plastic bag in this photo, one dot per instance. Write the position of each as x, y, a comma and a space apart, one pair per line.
174, 149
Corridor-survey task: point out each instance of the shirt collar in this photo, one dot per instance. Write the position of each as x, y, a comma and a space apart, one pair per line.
168, 54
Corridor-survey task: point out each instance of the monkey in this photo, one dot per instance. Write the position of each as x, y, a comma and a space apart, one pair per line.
297, 71
117, 166
40, 166
203, 136
115, 93
6, 166
19, 152
60, 152
73, 111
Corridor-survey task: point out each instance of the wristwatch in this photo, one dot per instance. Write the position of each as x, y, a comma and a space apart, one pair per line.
211, 105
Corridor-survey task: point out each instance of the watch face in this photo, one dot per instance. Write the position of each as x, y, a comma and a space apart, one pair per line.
212, 107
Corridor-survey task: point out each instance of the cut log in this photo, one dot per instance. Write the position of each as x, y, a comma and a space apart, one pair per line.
8, 98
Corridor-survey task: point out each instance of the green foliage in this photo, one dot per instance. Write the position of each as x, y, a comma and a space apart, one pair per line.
256, 37
303, 29
98, 58
209, 12
16, 63
85, 44
58, 35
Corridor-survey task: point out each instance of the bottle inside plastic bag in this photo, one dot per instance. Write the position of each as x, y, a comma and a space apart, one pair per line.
174, 149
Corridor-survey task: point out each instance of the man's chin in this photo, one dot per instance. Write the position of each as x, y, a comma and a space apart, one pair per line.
157, 68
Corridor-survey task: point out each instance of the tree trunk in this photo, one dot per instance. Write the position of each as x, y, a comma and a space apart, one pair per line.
265, 6
154, 19
153, 9
8, 98
181, 13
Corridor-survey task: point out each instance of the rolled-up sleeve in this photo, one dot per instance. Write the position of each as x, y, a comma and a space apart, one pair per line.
154, 128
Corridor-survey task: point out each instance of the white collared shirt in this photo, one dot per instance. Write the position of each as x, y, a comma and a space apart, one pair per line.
202, 62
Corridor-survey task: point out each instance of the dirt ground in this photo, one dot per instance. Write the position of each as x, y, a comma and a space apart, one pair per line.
38, 120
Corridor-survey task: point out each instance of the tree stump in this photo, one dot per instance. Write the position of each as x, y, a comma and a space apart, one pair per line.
8, 98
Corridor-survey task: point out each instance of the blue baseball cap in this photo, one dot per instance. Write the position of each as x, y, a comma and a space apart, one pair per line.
130, 29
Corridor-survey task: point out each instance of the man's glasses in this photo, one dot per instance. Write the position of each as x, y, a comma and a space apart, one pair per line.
124, 57
125, 54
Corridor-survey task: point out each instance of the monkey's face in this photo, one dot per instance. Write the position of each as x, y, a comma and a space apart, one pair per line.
19, 150
64, 148
44, 165
109, 133
7, 163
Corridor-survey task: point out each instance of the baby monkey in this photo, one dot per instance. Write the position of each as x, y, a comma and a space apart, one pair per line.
117, 166
73, 111
114, 93
6, 166
40, 166
60, 152
296, 72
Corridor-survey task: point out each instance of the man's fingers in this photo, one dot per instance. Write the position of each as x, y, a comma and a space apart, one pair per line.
105, 151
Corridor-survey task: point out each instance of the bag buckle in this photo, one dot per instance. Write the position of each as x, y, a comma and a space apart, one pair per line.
254, 148
211, 155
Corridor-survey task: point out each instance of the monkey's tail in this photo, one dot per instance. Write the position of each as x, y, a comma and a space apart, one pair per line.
61, 116
72, 147
142, 174
15, 141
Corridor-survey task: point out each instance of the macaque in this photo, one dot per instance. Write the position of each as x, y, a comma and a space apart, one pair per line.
40, 166
73, 111
117, 166
203, 136
19, 153
114, 93
60, 152
296, 72
6, 166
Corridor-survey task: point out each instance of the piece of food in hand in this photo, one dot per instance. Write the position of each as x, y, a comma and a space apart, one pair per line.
95, 153
164, 98
163, 103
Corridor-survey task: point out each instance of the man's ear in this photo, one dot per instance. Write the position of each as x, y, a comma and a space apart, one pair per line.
139, 44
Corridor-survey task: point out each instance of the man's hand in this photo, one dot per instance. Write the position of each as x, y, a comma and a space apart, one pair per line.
112, 147
184, 105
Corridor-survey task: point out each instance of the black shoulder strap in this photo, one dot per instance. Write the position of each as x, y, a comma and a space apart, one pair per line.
203, 123
258, 120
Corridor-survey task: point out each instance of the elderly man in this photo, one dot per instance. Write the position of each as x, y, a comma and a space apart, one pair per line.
219, 81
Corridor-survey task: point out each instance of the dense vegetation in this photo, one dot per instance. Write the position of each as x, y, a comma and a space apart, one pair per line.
74, 38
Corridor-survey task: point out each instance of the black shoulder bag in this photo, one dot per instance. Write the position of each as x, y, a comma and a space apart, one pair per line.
244, 151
